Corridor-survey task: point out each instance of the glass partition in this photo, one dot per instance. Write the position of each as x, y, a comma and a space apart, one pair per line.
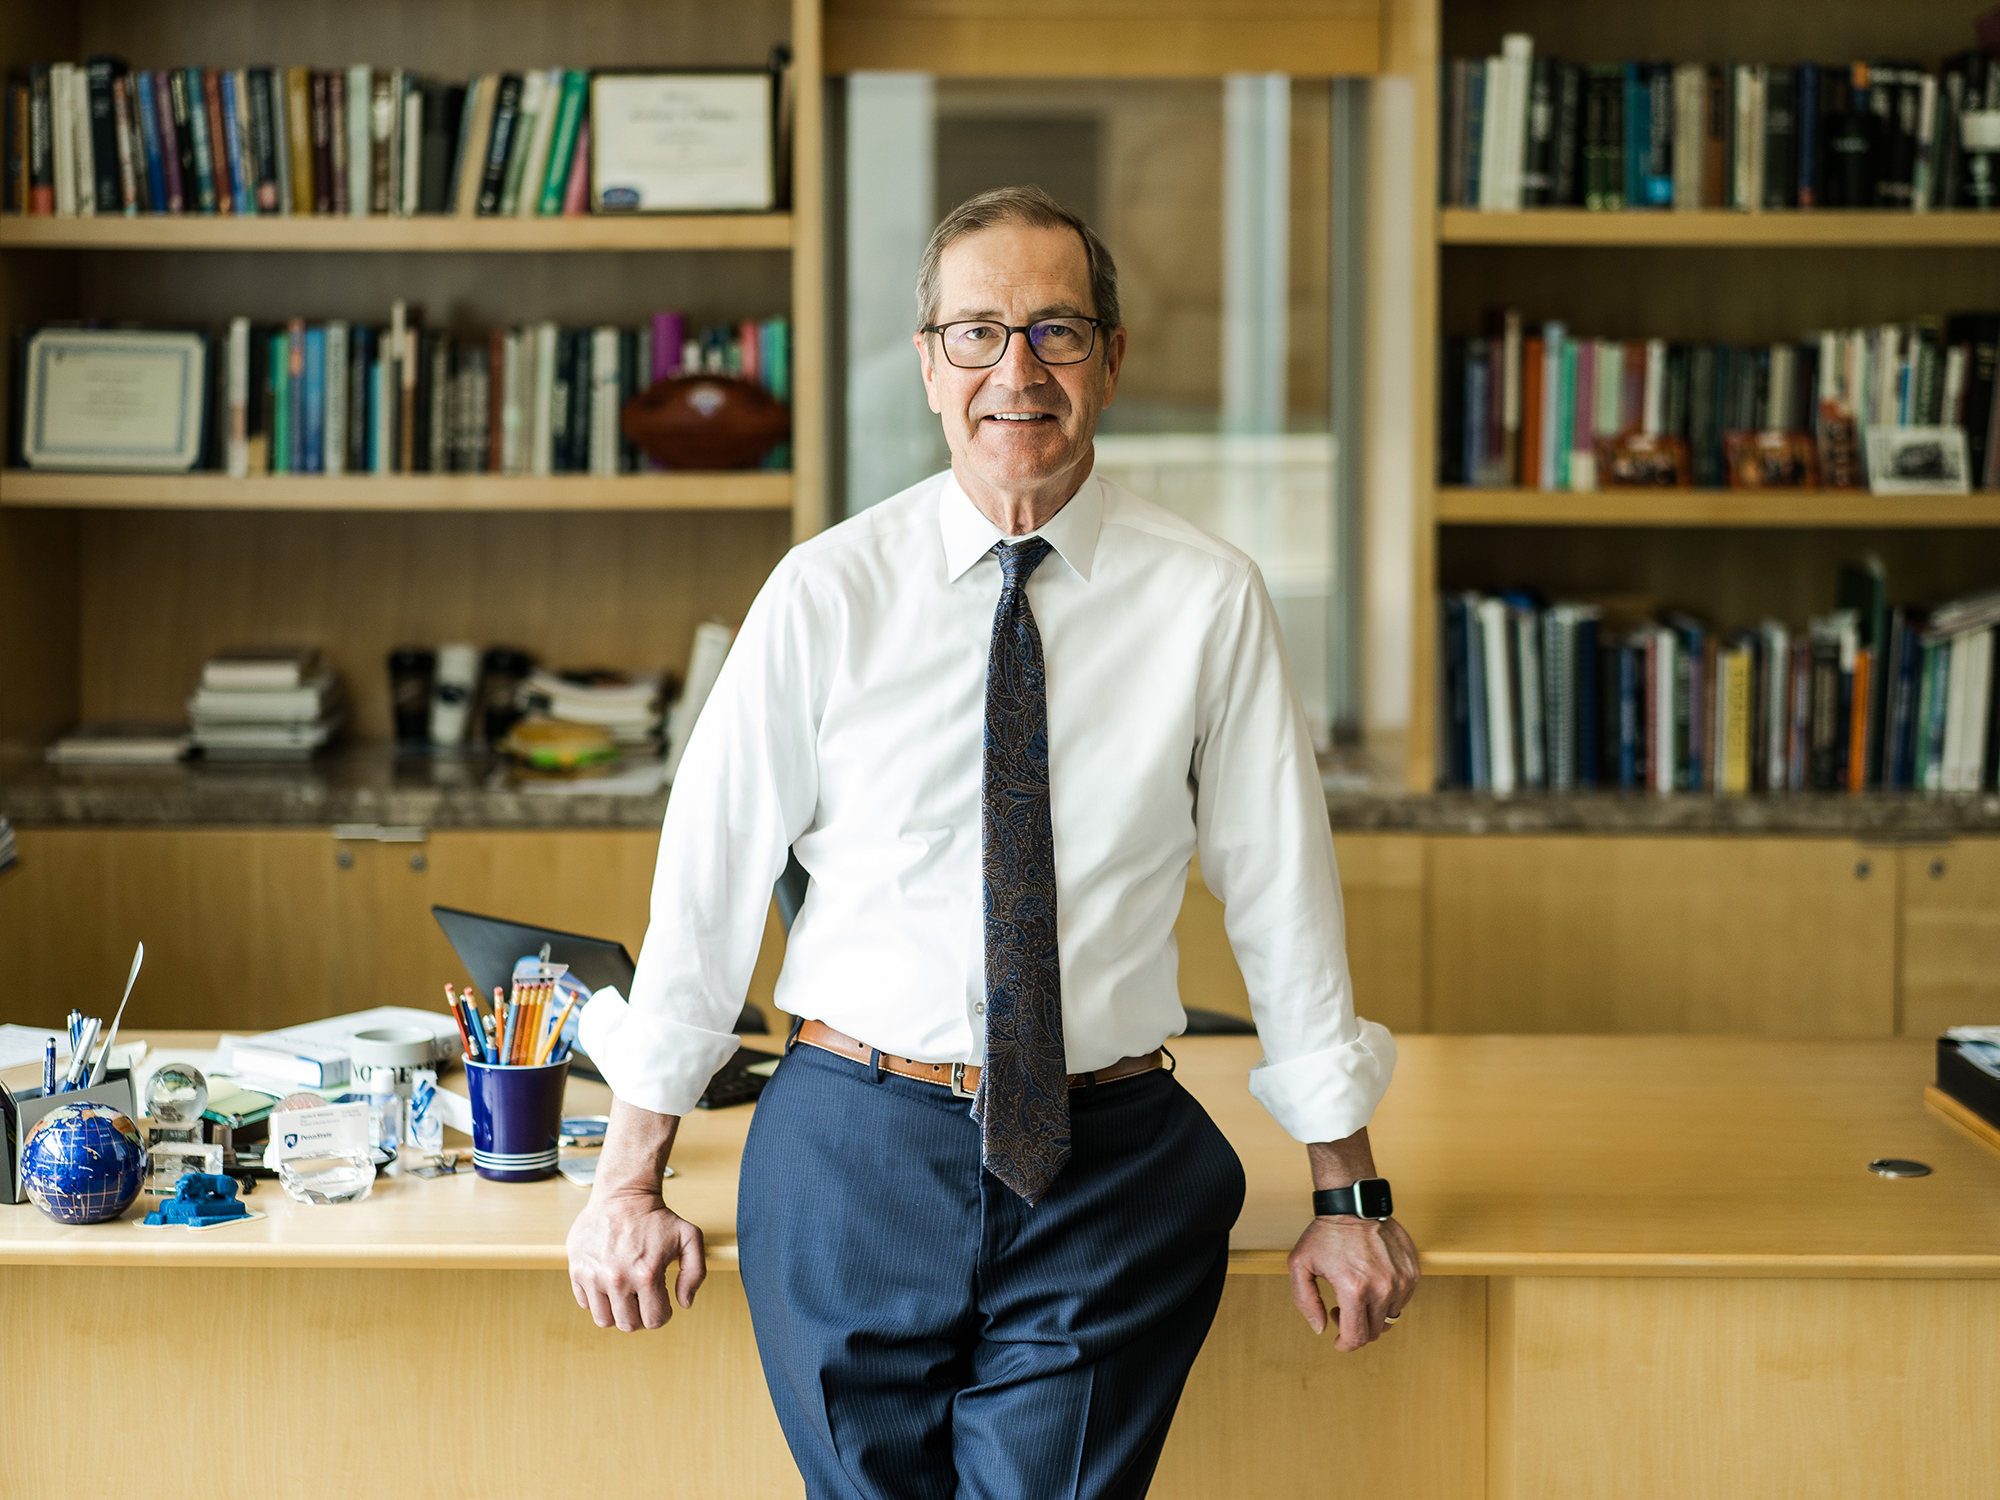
1217, 198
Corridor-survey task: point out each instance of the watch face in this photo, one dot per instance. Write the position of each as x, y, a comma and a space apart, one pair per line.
1372, 1198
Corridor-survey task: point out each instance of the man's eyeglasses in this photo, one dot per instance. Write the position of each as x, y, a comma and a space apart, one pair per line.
980, 345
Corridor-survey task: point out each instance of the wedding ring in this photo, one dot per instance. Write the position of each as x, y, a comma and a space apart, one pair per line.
1392, 1317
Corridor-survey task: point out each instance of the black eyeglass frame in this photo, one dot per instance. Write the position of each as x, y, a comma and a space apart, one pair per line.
1021, 328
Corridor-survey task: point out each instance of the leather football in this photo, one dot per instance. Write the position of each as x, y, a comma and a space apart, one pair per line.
706, 422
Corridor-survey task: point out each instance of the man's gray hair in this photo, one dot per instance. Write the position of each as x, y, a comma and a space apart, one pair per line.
1029, 206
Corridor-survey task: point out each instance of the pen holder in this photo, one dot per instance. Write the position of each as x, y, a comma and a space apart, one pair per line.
516, 1117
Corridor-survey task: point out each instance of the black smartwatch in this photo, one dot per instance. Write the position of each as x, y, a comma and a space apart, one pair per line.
1366, 1199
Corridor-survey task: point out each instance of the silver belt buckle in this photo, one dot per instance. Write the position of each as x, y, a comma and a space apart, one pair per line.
958, 1088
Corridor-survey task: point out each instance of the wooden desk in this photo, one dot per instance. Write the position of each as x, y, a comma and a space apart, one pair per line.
1655, 1266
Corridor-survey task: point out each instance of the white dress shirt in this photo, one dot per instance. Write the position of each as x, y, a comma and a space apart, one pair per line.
848, 724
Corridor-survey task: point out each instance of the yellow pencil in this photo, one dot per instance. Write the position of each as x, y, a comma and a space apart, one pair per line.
549, 1041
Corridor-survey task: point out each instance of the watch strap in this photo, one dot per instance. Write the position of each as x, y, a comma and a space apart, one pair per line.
1366, 1199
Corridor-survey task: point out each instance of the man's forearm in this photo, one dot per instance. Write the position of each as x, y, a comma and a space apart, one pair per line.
637, 1143
1339, 1164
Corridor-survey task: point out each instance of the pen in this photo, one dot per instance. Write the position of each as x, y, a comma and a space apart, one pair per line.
49, 1069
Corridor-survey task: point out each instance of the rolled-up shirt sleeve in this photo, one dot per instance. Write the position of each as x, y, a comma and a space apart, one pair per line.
746, 789
1267, 853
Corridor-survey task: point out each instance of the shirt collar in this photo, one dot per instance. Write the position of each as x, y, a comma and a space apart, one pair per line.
969, 536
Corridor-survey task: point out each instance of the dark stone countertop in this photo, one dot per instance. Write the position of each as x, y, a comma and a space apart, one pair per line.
370, 784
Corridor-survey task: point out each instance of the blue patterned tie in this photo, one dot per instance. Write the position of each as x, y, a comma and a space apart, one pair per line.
1023, 1103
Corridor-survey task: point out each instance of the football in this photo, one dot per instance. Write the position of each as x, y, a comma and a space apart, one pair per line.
706, 422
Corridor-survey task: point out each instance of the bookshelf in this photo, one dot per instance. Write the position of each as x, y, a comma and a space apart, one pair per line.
424, 233
756, 491
1706, 275
1723, 508
115, 587
1720, 228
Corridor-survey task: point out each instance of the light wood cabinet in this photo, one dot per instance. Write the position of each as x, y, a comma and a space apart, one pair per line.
249, 929
1950, 951
1382, 887
262, 927
238, 925
1783, 937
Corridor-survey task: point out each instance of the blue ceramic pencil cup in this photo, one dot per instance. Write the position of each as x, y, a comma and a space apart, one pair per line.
516, 1117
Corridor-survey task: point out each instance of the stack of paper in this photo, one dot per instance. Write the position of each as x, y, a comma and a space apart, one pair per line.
279, 703
628, 705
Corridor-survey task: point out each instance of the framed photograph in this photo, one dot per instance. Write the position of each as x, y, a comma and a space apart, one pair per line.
1918, 461
1643, 461
1770, 460
130, 400
682, 142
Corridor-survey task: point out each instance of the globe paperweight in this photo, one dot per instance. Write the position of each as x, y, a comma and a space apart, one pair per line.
176, 1095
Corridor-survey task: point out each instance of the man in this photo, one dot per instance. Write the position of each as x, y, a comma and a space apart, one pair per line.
982, 1231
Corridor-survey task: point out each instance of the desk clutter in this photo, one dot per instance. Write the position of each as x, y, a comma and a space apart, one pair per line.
287, 703
321, 1108
1622, 693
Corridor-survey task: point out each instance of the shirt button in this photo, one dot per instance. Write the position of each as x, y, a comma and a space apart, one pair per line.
979, 1007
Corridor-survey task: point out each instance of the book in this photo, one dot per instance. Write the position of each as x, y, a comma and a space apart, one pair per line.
263, 668
297, 140
498, 148
530, 120
475, 135
564, 142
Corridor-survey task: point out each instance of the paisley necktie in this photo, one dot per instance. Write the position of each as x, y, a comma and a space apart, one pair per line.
1023, 1103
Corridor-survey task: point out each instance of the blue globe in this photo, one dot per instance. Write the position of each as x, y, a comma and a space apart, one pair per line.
83, 1163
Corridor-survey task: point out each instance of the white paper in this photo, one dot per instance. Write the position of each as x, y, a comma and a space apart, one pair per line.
28, 1044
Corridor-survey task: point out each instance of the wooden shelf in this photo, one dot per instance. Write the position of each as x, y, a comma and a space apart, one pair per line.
757, 490
1719, 228
1470, 507
430, 232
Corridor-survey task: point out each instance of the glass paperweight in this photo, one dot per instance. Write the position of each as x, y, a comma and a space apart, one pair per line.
339, 1177
176, 1095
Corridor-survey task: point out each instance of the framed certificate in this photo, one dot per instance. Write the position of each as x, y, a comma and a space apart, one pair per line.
682, 143
99, 398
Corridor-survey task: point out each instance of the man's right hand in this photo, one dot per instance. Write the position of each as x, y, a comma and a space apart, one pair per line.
626, 1239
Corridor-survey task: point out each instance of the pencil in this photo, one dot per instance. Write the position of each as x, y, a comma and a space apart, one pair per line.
451, 1004
549, 1042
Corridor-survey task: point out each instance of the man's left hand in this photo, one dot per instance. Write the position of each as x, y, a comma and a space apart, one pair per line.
1372, 1267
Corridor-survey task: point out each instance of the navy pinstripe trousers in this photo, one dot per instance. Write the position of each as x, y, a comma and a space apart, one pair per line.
929, 1336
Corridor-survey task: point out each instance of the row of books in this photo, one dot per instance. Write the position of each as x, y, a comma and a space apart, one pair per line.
402, 398
102, 138
1568, 697
1522, 131
1530, 406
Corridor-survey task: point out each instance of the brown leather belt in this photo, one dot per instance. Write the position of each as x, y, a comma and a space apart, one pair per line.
961, 1078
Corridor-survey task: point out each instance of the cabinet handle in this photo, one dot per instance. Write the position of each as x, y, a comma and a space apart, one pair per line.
382, 833
1937, 869
419, 863
343, 859
1863, 869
